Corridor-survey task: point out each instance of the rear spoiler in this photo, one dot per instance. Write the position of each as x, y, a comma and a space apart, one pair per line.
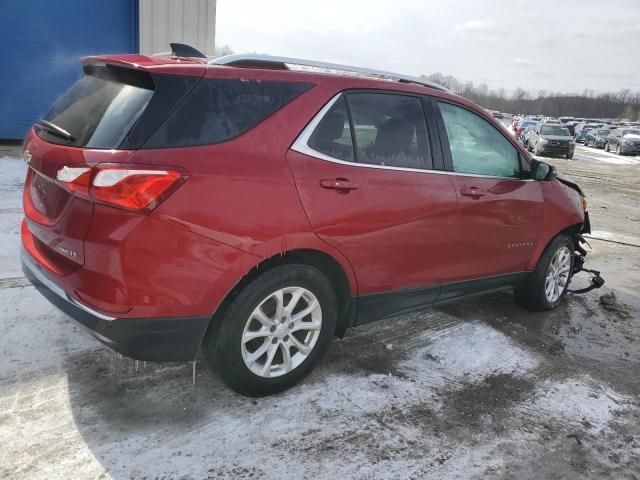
157, 64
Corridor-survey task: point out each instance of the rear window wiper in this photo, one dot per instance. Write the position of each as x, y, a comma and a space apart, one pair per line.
55, 130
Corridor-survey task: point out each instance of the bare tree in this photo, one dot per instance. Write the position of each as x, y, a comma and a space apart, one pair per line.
624, 104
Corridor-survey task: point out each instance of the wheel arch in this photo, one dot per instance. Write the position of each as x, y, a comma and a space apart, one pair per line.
571, 230
318, 259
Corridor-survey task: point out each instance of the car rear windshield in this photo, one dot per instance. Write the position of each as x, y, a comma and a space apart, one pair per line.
220, 109
99, 109
113, 107
554, 130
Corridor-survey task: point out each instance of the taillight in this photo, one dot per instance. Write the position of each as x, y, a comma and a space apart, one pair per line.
132, 189
124, 186
75, 179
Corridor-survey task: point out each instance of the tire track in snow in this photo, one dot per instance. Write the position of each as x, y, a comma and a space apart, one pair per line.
14, 282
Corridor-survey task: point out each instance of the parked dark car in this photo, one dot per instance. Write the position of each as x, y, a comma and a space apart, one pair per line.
597, 137
624, 141
551, 139
582, 129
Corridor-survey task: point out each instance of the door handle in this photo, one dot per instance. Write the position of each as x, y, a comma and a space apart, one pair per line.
473, 192
341, 185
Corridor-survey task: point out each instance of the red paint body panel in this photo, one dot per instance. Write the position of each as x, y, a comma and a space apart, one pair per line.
562, 209
251, 198
496, 231
395, 229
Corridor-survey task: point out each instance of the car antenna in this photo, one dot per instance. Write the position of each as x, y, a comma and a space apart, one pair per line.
184, 50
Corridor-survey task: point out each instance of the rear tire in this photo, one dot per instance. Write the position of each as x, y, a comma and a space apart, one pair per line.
259, 347
547, 285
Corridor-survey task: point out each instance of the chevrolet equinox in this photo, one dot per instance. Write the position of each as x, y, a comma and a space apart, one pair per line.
258, 206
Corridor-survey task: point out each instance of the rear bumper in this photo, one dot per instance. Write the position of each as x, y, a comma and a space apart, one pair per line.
150, 339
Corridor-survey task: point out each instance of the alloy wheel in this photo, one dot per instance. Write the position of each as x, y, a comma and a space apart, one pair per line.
281, 332
558, 274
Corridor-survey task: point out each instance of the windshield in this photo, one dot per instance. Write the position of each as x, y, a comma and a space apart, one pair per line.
631, 132
554, 130
604, 131
99, 109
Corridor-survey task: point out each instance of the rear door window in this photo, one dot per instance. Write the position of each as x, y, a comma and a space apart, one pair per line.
390, 130
218, 110
332, 136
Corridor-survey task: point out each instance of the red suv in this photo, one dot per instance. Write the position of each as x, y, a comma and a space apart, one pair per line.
257, 209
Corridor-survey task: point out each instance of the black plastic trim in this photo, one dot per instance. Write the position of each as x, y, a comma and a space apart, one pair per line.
376, 306
467, 288
428, 105
149, 339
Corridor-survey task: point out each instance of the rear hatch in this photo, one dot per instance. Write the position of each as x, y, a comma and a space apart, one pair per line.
101, 120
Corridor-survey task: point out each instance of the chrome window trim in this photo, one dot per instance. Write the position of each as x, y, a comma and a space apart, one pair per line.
301, 145
59, 291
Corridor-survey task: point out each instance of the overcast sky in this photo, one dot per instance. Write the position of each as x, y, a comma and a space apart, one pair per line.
556, 45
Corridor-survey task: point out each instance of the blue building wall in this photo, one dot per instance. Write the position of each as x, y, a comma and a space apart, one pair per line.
42, 42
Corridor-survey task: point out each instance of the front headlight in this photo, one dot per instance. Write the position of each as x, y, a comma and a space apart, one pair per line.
543, 141
624, 142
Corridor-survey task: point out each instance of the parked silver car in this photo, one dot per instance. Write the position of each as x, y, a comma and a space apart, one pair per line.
551, 139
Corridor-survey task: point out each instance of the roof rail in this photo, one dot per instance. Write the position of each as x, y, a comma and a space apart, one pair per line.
269, 61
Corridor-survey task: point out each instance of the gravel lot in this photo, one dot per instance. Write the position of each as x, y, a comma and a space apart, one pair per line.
481, 389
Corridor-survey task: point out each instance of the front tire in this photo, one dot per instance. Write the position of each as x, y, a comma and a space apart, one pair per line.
548, 283
274, 332
618, 150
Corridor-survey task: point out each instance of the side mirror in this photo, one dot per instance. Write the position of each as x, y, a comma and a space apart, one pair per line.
542, 171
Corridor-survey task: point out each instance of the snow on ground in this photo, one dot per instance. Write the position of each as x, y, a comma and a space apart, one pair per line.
13, 175
591, 154
485, 390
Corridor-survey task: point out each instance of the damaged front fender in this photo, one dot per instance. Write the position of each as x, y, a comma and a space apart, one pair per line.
579, 254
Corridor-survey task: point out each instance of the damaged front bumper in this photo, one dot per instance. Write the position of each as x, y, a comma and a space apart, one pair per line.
579, 254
